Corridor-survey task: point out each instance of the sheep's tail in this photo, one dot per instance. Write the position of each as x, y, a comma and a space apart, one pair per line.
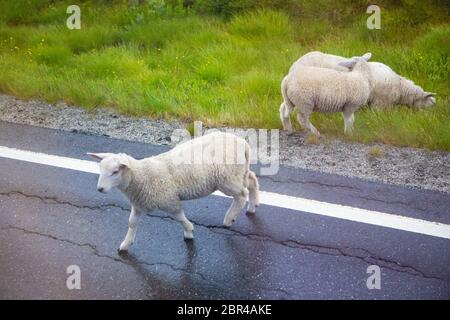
286, 99
286, 107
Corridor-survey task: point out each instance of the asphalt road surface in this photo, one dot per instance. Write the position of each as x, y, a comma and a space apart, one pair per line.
52, 218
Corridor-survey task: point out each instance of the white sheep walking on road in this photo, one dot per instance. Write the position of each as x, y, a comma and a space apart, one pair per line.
312, 89
191, 170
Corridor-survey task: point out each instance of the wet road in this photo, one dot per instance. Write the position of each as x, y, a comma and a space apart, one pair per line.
51, 218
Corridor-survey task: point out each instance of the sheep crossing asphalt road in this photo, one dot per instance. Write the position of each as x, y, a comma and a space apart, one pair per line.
53, 217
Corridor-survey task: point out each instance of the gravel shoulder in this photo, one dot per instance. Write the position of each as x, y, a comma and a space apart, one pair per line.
377, 162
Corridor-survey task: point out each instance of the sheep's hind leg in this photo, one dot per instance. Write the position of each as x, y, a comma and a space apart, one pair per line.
303, 119
187, 225
253, 188
349, 119
239, 201
132, 228
285, 117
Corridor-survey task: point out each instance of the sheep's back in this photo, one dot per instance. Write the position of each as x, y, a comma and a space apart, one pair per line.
386, 85
198, 167
320, 60
326, 90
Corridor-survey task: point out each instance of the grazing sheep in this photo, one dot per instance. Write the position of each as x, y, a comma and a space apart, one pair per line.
389, 88
320, 89
392, 89
191, 170
311, 59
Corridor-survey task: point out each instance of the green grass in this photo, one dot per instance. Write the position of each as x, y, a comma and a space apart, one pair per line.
375, 152
224, 70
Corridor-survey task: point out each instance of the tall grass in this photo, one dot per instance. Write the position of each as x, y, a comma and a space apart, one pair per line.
168, 61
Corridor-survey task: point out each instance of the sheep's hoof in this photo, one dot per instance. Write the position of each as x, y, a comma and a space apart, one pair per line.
188, 236
124, 247
251, 208
250, 212
122, 251
348, 133
228, 224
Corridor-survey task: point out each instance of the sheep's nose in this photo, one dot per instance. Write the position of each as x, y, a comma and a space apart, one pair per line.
100, 189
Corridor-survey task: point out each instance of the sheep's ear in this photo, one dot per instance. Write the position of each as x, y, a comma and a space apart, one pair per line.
98, 156
123, 160
366, 56
348, 63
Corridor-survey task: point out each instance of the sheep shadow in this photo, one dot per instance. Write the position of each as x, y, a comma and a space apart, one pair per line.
183, 285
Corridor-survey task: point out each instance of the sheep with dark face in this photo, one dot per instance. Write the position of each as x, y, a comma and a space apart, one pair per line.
191, 170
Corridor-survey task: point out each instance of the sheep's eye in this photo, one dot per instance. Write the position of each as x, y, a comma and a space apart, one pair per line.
115, 172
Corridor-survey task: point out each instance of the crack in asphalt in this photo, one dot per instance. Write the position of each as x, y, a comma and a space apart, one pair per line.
97, 253
290, 295
333, 251
367, 256
405, 204
55, 200
367, 198
174, 268
130, 261
88, 245
303, 181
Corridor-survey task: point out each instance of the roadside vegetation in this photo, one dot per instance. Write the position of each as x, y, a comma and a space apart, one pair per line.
222, 61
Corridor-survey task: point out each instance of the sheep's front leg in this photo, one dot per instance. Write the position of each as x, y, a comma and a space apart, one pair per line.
349, 119
187, 225
131, 233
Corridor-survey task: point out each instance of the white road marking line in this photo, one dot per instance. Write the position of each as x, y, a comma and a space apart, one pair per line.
50, 160
377, 218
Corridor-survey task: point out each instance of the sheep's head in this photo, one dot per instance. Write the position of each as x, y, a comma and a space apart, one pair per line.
112, 170
426, 99
414, 96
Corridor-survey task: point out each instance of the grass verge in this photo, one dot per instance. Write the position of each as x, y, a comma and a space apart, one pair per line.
223, 70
